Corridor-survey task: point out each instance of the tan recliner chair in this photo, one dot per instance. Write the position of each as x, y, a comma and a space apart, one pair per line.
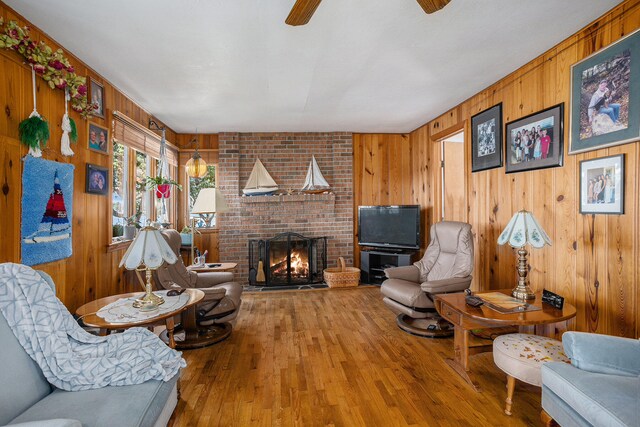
446, 267
222, 297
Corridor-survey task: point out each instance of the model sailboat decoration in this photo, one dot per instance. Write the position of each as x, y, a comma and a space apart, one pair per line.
315, 182
260, 182
54, 224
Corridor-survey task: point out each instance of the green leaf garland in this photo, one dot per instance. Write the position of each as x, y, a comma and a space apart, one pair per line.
52, 66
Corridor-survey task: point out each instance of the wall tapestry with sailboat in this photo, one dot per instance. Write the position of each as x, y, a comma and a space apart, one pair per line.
47, 201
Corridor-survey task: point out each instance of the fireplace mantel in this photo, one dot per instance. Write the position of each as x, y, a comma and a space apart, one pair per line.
283, 198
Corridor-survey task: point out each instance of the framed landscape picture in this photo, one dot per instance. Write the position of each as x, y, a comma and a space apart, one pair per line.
97, 179
98, 138
535, 141
602, 185
605, 97
486, 139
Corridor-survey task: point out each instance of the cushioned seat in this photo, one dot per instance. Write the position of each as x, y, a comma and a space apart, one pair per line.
601, 387
127, 406
600, 399
26, 396
220, 305
521, 356
446, 267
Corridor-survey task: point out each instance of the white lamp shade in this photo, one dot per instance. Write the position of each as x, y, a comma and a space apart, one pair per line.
209, 200
148, 248
523, 228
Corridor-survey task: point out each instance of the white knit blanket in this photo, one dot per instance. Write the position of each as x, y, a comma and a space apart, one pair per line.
71, 358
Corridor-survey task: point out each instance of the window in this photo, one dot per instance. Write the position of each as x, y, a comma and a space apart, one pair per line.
197, 184
135, 156
119, 197
142, 195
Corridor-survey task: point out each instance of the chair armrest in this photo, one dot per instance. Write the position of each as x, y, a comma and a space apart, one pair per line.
212, 278
603, 354
452, 284
409, 273
213, 294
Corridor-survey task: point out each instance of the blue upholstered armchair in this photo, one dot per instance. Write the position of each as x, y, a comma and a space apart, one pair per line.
601, 386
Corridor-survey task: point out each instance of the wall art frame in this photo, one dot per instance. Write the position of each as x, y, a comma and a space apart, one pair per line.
97, 180
535, 141
602, 185
605, 97
486, 139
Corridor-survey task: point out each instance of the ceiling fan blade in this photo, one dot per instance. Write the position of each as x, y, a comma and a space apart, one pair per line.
430, 6
302, 12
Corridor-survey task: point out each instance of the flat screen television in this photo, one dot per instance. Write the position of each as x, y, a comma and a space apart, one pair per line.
394, 227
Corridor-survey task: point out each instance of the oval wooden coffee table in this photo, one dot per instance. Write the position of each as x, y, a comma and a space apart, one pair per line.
90, 318
453, 308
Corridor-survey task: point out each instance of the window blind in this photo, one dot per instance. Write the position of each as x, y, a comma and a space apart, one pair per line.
132, 134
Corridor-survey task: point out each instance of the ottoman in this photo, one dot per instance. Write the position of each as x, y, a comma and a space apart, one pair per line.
520, 356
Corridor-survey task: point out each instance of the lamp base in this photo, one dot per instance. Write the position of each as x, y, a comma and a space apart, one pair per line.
522, 290
149, 301
523, 293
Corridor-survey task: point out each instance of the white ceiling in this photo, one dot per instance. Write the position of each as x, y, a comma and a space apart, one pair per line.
359, 65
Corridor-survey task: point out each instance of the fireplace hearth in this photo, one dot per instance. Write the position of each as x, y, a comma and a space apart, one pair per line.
288, 259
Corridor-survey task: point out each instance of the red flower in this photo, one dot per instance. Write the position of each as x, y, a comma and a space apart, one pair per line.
82, 90
70, 69
39, 69
56, 64
61, 84
13, 34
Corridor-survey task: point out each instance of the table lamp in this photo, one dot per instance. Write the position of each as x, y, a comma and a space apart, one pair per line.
209, 202
151, 250
523, 228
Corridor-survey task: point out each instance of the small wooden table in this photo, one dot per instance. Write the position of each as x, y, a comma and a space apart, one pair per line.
224, 266
90, 318
453, 308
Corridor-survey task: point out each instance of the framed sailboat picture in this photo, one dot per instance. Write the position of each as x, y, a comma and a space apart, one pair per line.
47, 205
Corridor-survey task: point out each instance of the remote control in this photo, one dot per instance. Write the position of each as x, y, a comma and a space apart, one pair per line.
473, 301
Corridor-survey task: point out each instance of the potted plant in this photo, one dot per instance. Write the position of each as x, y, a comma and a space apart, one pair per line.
161, 185
133, 223
186, 236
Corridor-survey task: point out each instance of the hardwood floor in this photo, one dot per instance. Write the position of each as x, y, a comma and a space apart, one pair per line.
335, 357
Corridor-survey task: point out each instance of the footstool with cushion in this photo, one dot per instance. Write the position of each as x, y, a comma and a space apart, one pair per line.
521, 356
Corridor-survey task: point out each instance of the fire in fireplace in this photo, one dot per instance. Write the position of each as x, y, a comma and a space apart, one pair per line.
288, 258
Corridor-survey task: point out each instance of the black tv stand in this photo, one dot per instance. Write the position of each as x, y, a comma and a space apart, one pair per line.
374, 261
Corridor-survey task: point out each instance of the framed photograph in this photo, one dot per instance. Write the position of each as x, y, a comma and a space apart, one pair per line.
97, 179
535, 141
605, 97
486, 139
96, 97
98, 138
602, 185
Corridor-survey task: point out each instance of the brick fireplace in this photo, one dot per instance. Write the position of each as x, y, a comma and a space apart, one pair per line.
286, 156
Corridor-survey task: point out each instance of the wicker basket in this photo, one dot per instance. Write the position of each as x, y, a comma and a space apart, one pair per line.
342, 277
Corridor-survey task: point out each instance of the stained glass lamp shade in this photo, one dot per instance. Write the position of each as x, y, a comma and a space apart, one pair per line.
523, 228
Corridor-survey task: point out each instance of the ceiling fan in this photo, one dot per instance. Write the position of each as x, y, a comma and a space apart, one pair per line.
303, 10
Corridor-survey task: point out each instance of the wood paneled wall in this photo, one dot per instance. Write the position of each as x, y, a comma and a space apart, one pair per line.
92, 271
594, 258
391, 169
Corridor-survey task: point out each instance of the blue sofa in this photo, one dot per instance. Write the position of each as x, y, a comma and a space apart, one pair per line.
27, 399
601, 386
